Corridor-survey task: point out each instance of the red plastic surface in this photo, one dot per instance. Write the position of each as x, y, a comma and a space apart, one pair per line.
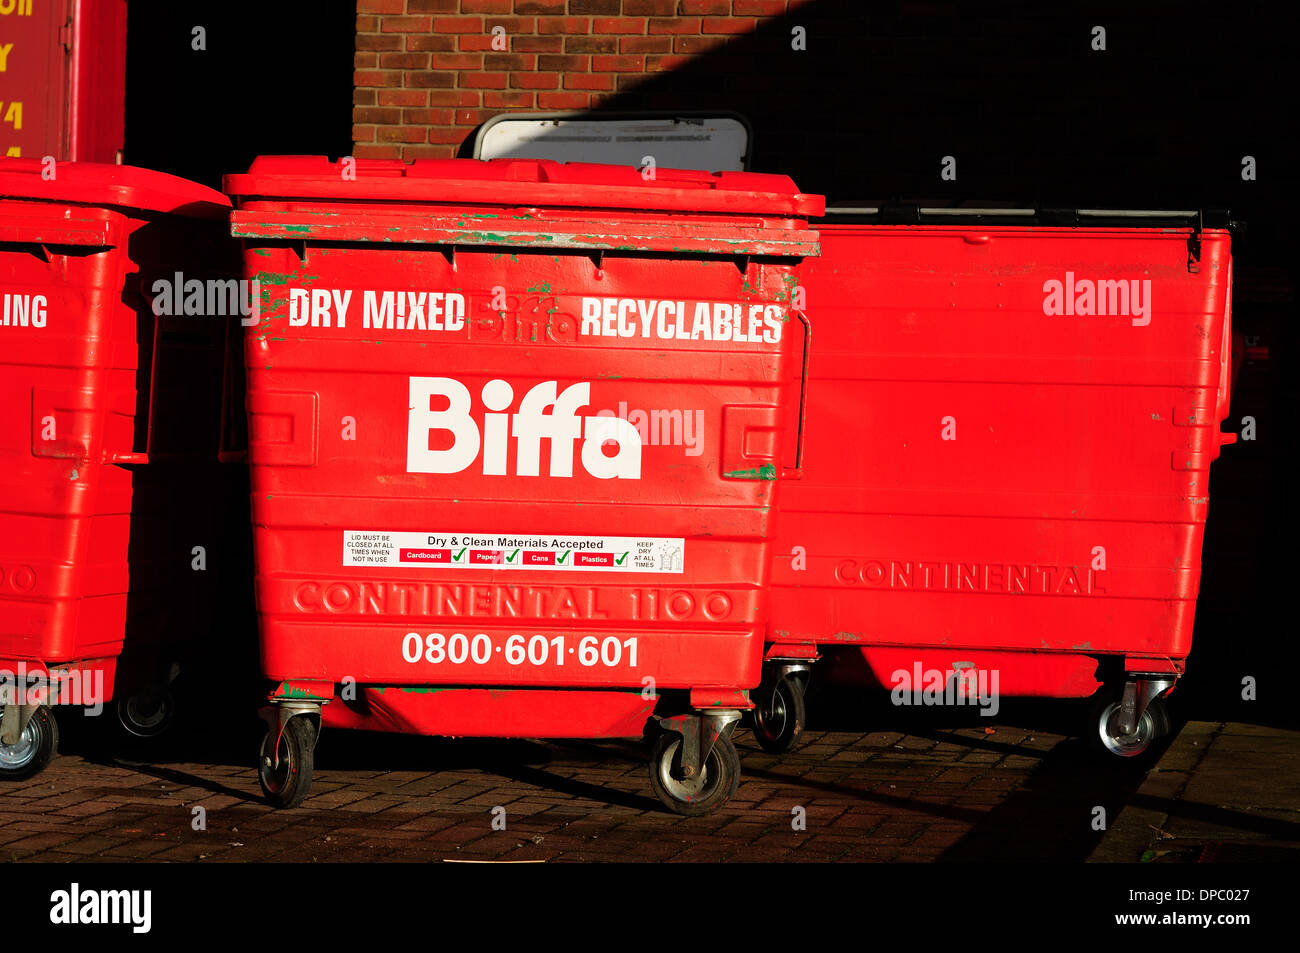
62, 79
1076, 438
336, 413
77, 336
109, 186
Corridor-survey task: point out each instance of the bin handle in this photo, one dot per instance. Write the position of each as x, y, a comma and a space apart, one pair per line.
795, 472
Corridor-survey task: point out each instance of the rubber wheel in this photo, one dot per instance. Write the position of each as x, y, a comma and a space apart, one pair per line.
717, 782
288, 784
35, 749
1104, 736
132, 716
780, 716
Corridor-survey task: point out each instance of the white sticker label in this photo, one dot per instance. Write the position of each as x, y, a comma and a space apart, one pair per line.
504, 551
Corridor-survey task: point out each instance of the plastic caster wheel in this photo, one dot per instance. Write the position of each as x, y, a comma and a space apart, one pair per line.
1105, 735
288, 784
143, 717
780, 716
713, 788
35, 749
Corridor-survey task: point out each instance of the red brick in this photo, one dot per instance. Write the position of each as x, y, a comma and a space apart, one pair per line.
432, 6
403, 97
456, 136
367, 24
510, 61
562, 100
537, 44
541, 6
376, 77
712, 7
456, 61
363, 133
381, 6
363, 97
661, 25
378, 41
400, 134
645, 44
453, 97
618, 25
482, 81
697, 44
758, 8
535, 80
513, 25
427, 117
475, 42
364, 151
365, 60
547, 62
595, 7
432, 78
663, 63
404, 60
439, 44
457, 24
650, 8
472, 117
377, 114
405, 24
562, 25
485, 6
514, 99
591, 44
728, 25
618, 64
602, 81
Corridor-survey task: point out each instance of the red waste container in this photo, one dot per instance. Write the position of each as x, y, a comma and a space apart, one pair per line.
514, 429
100, 393
1008, 441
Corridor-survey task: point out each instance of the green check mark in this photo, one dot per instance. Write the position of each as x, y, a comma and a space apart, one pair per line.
460, 555
562, 557
511, 557
620, 559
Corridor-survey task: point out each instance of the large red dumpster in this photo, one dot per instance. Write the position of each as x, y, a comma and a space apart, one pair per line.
514, 429
1008, 441
102, 398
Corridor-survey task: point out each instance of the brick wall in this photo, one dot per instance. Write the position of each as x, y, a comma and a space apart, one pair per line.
427, 73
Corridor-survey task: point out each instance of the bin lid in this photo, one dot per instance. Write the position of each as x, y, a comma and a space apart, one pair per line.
109, 186
524, 182
523, 202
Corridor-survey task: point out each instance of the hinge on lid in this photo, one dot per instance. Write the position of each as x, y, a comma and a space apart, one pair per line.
1194, 244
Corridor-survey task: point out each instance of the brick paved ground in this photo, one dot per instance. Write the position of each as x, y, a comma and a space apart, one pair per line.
953, 787
1223, 792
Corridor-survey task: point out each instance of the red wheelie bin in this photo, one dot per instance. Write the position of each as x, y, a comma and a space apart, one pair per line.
514, 430
1008, 442
104, 401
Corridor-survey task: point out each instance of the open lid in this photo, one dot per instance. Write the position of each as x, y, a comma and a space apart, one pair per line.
715, 141
522, 202
522, 182
109, 186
